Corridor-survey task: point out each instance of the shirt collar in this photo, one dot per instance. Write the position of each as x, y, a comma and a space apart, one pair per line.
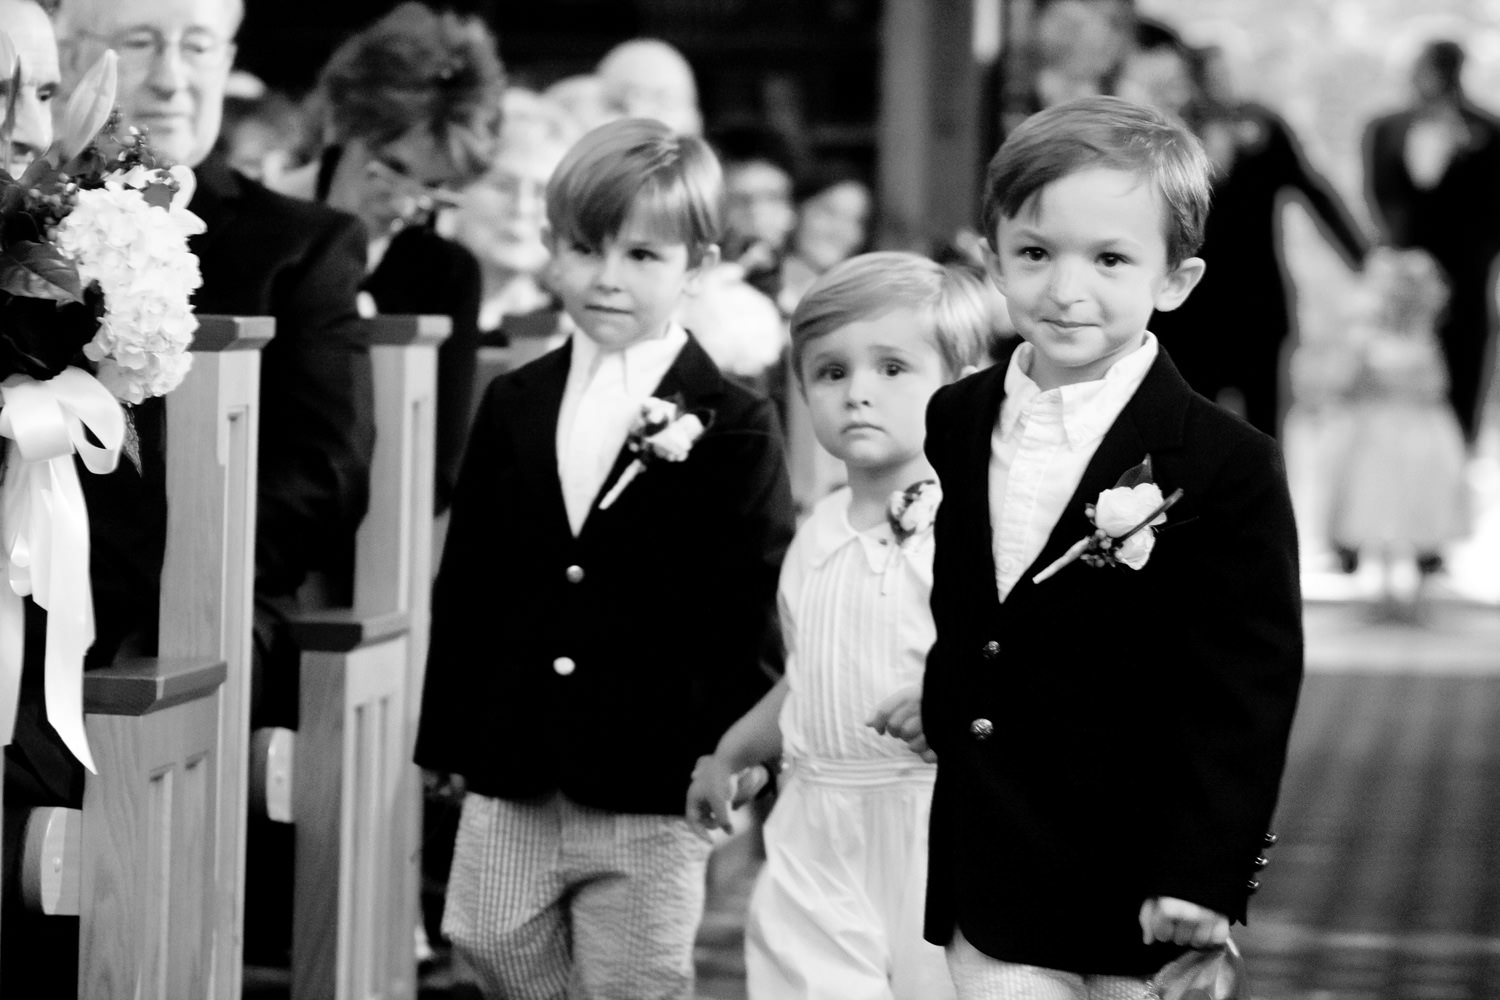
1087, 408
644, 361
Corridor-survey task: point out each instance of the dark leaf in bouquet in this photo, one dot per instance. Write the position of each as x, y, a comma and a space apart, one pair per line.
39, 173
87, 169
39, 271
40, 337
1136, 475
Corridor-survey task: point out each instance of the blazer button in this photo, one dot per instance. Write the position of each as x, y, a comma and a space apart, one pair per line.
1269, 840
574, 574
1252, 885
990, 649
563, 666
1261, 862
981, 729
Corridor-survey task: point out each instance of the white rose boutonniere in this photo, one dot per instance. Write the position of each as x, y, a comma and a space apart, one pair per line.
1124, 520
661, 432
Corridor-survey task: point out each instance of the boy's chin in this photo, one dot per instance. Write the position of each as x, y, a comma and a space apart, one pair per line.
616, 338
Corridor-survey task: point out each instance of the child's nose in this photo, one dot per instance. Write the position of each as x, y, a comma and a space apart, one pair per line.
857, 388
1066, 284
608, 274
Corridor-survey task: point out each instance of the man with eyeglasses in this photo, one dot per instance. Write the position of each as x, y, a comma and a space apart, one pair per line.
261, 254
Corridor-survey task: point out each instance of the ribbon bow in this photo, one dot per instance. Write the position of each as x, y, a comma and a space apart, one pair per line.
44, 536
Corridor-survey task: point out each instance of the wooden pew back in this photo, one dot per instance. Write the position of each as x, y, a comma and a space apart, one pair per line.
158, 874
356, 796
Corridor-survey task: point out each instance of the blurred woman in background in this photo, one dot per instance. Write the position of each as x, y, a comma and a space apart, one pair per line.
408, 109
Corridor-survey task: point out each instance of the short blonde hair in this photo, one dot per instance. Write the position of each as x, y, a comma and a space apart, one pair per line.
638, 164
873, 284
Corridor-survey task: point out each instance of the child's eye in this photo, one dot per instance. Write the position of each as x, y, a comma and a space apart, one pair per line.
891, 368
580, 247
1112, 260
829, 373
1032, 254
644, 253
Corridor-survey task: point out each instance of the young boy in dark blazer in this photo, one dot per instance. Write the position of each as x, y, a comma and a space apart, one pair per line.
1116, 670
606, 598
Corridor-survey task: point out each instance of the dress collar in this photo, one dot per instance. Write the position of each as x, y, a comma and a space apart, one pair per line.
828, 531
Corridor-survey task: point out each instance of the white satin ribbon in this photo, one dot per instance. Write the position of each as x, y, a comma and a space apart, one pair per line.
44, 528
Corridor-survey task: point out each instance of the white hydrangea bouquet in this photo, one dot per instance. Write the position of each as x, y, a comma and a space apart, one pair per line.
96, 280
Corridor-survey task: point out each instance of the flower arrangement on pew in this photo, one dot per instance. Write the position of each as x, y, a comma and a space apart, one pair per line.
95, 286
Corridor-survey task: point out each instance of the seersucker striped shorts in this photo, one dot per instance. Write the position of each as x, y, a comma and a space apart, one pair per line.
550, 899
980, 977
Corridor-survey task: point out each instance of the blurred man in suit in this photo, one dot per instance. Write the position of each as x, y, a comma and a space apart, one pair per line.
1430, 176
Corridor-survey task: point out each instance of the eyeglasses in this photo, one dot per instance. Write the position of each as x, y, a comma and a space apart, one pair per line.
424, 198
140, 48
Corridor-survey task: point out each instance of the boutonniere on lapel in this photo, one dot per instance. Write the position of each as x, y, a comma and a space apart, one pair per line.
662, 432
911, 511
1124, 518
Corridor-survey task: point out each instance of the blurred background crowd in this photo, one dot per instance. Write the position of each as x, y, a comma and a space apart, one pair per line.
1341, 131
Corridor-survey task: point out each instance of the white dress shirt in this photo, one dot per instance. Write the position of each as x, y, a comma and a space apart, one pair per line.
603, 395
1041, 446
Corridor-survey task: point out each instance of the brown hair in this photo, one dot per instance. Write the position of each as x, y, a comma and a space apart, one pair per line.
418, 68
1104, 132
638, 164
873, 284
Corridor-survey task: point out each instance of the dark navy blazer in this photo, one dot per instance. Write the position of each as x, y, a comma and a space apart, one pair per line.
1108, 735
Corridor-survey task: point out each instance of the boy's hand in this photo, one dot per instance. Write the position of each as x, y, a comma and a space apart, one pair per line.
900, 715
716, 791
1166, 918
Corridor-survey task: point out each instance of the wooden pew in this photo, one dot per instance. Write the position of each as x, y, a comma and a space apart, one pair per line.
355, 796
153, 864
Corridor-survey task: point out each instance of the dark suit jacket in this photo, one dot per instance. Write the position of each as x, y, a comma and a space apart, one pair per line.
1458, 216
264, 253
1140, 717
424, 274
1457, 220
664, 604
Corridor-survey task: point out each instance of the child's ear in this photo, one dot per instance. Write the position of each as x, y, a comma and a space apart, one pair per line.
992, 264
707, 262
1181, 280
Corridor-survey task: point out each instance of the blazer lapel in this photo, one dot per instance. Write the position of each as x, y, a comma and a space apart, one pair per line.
539, 387
1150, 422
694, 379
974, 490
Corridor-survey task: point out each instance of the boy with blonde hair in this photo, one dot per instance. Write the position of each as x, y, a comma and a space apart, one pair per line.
606, 598
1119, 643
833, 914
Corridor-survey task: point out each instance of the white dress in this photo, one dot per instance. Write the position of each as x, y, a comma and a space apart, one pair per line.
837, 910
1401, 483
